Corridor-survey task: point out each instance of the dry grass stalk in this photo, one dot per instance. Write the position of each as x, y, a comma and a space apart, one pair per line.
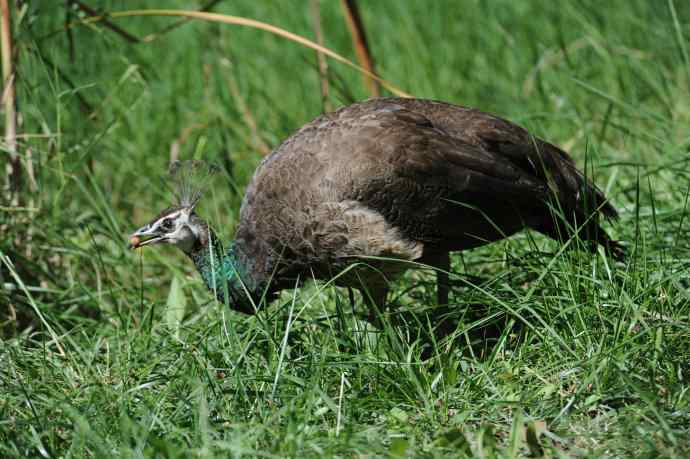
359, 41
246, 22
156, 35
114, 27
249, 120
13, 168
315, 8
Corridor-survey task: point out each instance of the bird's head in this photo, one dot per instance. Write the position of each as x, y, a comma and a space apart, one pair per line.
177, 225
230, 274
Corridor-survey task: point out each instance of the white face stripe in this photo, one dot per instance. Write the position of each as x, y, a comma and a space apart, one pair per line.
180, 219
173, 216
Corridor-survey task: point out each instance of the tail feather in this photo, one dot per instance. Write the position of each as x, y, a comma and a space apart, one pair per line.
589, 199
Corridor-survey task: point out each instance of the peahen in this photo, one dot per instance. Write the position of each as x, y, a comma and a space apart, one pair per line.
365, 192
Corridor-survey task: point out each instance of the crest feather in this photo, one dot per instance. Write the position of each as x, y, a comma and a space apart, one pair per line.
190, 179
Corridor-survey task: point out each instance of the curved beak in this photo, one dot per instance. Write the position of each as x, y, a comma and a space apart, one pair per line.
145, 235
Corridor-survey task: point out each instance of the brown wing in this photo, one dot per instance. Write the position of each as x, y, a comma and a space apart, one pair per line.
448, 177
437, 188
536, 157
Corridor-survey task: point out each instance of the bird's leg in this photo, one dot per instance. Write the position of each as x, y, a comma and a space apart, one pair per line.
375, 300
442, 280
441, 263
442, 327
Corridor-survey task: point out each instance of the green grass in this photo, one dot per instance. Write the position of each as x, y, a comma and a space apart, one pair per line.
557, 351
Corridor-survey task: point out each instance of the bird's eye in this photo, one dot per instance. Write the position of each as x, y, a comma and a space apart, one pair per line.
167, 224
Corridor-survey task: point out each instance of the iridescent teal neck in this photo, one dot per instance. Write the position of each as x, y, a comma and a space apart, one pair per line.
226, 274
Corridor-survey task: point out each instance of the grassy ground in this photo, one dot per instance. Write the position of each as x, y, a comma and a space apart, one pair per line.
110, 353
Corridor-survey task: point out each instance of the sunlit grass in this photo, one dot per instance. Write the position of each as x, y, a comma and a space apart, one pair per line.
555, 351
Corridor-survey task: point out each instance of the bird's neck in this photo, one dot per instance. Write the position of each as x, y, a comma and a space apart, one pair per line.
228, 274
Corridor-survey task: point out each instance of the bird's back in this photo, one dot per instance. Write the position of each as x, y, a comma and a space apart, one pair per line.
403, 178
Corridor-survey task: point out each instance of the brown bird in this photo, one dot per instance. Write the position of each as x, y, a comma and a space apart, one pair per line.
374, 188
